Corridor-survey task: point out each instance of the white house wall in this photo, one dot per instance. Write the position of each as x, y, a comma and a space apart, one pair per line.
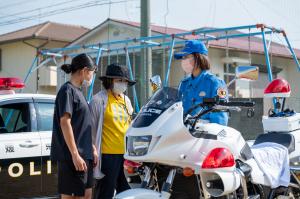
16, 61
293, 76
17, 58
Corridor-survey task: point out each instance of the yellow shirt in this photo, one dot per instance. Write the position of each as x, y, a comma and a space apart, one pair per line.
115, 124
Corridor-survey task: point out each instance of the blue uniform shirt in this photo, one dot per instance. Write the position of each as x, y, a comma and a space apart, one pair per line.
205, 85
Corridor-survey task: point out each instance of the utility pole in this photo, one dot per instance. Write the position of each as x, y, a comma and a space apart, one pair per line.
145, 68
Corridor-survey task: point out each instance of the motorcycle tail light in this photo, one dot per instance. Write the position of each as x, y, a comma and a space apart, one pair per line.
218, 158
130, 166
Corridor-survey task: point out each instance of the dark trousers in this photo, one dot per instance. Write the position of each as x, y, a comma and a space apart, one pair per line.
112, 167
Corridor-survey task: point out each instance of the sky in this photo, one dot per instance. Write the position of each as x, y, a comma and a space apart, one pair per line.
183, 14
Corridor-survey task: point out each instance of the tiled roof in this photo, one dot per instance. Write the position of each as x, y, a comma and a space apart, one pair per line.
47, 30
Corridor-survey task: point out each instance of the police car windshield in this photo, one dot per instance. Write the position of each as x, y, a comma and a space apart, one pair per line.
164, 98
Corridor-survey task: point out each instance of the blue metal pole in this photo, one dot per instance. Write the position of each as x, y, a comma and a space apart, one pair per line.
136, 102
267, 55
154, 37
177, 42
291, 50
30, 69
94, 76
270, 75
273, 29
236, 36
169, 62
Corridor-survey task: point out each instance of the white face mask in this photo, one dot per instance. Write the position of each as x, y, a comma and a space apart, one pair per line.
87, 83
187, 65
119, 87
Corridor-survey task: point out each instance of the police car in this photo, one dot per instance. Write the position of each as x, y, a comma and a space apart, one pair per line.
25, 140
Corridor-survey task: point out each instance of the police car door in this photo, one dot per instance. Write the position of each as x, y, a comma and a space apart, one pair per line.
20, 150
45, 111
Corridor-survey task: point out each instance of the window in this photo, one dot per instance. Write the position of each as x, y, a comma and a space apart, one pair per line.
14, 118
45, 116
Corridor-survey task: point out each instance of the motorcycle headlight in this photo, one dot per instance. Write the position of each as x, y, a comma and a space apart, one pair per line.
138, 145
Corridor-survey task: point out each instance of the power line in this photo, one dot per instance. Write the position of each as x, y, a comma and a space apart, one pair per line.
165, 16
245, 8
16, 4
59, 11
276, 12
126, 11
37, 9
214, 13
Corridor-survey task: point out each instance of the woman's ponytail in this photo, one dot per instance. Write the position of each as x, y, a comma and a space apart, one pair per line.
67, 68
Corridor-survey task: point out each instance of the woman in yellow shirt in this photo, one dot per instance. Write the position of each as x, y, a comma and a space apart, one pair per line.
111, 115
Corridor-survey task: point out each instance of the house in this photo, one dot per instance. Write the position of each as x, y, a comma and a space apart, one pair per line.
240, 51
18, 49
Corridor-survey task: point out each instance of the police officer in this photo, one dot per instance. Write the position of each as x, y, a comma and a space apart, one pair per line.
200, 83
197, 85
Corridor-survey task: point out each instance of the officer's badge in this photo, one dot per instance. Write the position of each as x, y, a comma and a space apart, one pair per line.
222, 93
202, 94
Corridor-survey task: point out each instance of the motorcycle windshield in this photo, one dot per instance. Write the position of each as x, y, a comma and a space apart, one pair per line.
158, 103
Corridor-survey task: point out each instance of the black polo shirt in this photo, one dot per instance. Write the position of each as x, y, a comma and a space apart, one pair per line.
70, 100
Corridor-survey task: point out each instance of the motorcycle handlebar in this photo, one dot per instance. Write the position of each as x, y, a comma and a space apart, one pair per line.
217, 101
240, 104
211, 102
214, 104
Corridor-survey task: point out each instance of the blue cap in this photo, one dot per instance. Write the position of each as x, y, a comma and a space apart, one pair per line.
191, 46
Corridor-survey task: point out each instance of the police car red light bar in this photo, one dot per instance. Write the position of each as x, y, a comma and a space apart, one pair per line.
11, 83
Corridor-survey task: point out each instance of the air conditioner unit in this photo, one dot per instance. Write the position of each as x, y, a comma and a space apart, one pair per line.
48, 76
237, 60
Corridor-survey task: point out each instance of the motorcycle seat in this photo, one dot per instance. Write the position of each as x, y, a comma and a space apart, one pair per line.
284, 139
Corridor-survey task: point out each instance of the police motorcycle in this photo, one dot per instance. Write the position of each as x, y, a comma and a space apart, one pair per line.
218, 155
159, 135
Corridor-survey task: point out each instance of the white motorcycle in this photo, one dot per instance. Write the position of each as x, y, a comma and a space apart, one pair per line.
217, 155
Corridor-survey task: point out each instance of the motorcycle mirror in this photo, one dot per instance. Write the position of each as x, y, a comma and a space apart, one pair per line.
245, 72
155, 82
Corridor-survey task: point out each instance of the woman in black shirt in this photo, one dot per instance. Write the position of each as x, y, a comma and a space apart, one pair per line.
71, 139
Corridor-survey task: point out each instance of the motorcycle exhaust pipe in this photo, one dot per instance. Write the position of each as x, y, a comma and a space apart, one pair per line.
146, 180
243, 183
166, 188
220, 183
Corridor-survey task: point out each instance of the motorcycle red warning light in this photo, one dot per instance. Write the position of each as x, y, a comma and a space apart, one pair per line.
218, 158
278, 88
